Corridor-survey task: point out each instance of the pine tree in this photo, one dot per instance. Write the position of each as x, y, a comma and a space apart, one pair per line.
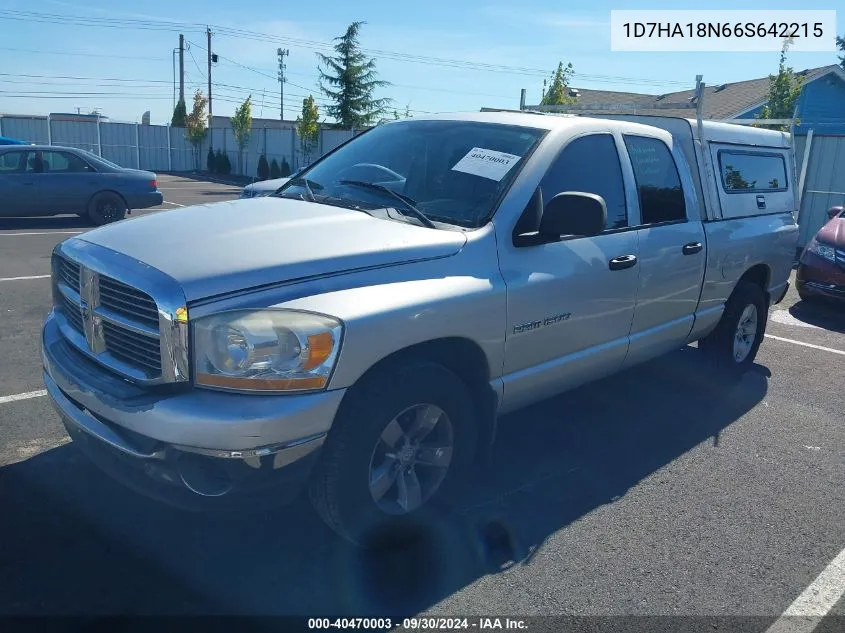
263, 168
275, 172
180, 115
350, 81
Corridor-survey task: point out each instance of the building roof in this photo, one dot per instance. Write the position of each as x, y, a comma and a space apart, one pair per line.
720, 102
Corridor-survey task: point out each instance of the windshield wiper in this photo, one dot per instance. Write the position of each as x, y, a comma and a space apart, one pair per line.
405, 200
306, 183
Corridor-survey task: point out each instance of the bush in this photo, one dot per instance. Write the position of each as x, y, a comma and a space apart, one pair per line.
275, 172
285, 168
227, 165
263, 168
210, 165
218, 162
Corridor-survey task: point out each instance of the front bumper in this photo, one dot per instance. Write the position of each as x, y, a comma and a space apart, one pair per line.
820, 278
145, 200
192, 448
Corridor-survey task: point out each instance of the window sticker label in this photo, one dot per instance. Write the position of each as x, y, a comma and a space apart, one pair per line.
486, 163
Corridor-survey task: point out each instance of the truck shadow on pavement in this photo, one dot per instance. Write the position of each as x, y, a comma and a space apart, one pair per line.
74, 542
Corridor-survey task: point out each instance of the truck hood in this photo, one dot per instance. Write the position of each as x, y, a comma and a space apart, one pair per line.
833, 232
230, 246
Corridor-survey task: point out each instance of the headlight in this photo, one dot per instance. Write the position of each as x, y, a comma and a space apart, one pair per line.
265, 350
822, 250
246, 193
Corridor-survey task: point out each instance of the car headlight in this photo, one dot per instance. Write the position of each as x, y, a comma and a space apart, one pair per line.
266, 350
246, 193
822, 250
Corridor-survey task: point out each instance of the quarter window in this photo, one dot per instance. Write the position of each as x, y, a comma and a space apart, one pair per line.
658, 183
744, 172
590, 164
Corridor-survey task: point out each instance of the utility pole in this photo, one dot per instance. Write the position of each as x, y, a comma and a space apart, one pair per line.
281, 77
210, 111
181, 67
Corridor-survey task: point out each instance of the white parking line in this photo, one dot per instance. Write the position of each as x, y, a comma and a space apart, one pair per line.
816, 601
23, 396
20, 278
42, 233
175, 204
803, 344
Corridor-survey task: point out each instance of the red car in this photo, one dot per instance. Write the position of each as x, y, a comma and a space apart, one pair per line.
821, 272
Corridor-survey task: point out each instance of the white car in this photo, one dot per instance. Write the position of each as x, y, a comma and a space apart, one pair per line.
263, 188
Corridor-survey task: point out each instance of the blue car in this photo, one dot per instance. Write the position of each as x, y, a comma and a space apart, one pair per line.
42, 180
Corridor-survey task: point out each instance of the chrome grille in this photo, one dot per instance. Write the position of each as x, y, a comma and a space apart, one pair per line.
132, 348
69, 273
73, 313
123, 322
128, 302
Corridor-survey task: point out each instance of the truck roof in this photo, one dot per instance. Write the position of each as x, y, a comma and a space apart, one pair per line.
713, 130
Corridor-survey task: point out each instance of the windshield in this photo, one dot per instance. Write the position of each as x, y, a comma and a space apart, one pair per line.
452, 171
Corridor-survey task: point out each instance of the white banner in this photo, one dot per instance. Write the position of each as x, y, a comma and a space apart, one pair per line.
723, 31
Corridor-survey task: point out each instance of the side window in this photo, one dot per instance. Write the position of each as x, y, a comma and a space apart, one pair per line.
11, 162
658, 184
63, 162
744, 172
577, 169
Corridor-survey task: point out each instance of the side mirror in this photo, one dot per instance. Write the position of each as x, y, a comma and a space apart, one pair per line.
832, 212
573, 213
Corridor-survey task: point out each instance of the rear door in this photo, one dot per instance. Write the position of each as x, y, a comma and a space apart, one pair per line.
19, 194
67, 182
753, 181
671, 247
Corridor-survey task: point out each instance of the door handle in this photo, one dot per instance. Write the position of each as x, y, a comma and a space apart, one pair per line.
622, 262
761, 202
692, 248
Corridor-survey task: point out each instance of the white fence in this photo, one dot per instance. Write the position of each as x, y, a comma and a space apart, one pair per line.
164, 148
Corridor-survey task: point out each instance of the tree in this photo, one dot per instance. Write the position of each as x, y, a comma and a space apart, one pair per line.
180, 115
784, 90
275, 172
196, 125
351, 81
284, 169
558, 91
210, 163
840, 43
408, 114
242, 129
263, 168
308, 127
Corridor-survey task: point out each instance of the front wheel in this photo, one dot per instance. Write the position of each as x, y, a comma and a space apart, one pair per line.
733, 345
398, 447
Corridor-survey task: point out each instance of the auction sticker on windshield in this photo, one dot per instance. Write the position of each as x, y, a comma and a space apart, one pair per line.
486, 163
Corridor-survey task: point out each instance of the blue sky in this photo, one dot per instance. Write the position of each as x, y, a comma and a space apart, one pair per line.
128, 70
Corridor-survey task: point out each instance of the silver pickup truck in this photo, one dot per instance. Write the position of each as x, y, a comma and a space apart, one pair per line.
359, 332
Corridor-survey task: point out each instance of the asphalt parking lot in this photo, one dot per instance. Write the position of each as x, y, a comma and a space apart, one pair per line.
656, 492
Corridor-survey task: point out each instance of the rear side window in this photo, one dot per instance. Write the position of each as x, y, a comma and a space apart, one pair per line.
746, 172
658, 183
64, 163
590, 164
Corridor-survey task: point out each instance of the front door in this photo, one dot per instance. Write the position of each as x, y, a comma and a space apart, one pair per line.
569, 309
19, 193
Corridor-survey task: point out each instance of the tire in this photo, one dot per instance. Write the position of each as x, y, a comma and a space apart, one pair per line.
723, 347
806, 297
106, 207
356, 452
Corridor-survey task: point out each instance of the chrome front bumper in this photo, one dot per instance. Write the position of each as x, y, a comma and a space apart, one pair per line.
187, 443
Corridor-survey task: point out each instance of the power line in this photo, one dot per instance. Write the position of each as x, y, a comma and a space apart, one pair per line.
79, 54
163, 25
199, 70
